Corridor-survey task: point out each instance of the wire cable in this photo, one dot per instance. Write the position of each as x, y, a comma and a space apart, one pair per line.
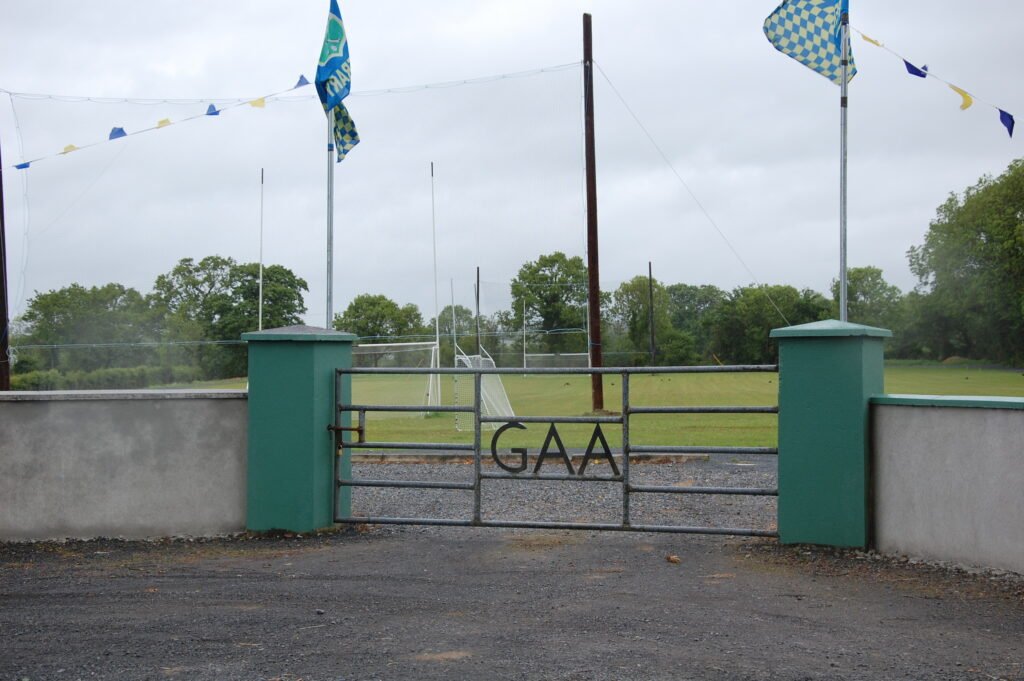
689, 191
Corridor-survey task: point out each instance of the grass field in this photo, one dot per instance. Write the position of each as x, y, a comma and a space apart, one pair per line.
570, 396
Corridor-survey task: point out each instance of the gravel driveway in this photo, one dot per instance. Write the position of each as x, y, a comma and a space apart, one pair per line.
467, 603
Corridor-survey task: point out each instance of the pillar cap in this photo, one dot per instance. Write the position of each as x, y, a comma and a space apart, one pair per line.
829, 328
301, 333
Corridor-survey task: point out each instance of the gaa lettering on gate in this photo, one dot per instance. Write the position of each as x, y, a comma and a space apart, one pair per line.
559, 452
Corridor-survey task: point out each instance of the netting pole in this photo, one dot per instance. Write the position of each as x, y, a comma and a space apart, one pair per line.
650, 306
433, 230
477, 294
524, 331
261, 253
5, 327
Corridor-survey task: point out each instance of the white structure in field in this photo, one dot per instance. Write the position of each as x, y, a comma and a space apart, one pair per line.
556, 360
404, 355
493, 398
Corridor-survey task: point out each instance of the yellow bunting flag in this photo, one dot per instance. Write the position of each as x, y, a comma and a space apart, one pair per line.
69, 148
968, 100
259, 103
163, 122
872, 40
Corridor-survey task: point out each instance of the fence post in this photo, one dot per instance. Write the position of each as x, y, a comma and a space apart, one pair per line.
827, 372
291, 404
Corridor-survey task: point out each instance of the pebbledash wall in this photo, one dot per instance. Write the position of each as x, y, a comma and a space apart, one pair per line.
132, 464
934, 477
948, 478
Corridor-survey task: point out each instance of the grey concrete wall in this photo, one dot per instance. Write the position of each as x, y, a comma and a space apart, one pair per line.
128, 464
948, 483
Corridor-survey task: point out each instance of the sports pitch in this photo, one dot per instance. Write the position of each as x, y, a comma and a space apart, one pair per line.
550, 395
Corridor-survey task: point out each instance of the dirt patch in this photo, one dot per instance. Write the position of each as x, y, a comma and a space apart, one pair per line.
929, 580
447, 656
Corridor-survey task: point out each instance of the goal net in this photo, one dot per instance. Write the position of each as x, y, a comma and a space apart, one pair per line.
556, 360
398, 389
493, 398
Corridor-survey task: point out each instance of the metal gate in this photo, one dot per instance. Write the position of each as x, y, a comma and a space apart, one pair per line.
344, 441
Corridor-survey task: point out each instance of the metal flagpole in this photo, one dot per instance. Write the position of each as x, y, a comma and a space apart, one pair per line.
844, 22
330, 220
261, 252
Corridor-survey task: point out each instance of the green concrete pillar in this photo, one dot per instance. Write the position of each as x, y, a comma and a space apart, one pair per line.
827, 372
291, 404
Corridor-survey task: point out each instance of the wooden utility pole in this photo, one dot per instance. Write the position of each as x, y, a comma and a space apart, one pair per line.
594, 295
5, 322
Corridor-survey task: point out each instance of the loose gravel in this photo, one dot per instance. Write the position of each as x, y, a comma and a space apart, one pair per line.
580, 502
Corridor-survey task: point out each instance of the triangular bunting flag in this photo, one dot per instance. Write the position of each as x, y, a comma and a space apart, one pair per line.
914, 71
117, 133
163, 122
1005, 118
259, 103
212, 111
872, 40
301, 82
69, 148
26, 164
967, 99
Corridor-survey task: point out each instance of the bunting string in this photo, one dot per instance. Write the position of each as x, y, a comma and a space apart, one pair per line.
217, 105
150, 101
967, 99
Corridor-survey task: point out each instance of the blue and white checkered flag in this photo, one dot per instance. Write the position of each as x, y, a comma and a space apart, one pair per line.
345, 134
809, 31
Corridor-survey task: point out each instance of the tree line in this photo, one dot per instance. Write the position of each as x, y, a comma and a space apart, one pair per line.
968, 302
187, 328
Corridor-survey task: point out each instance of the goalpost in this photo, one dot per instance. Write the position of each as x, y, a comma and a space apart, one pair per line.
407, 355
493, 398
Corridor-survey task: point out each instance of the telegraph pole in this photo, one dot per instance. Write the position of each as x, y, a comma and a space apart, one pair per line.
594, 295
5, 322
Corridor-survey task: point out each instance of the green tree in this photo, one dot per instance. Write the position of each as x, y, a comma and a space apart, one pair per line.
971, 267
464, 323
377, 316
870, 299
98, 317
740, 326
553, 289
631, 312
690, 308
217, 299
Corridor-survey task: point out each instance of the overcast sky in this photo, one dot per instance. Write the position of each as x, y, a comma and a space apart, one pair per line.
754, 134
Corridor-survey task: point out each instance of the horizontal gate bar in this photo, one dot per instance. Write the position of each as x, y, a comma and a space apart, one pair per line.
551, 419
729, 369
542, 525
414, 484
408, 445
748, 491
703, 410
528, 476
665, 449
404, 408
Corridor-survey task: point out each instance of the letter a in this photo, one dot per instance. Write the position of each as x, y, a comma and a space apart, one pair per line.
544, 453
605, 452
